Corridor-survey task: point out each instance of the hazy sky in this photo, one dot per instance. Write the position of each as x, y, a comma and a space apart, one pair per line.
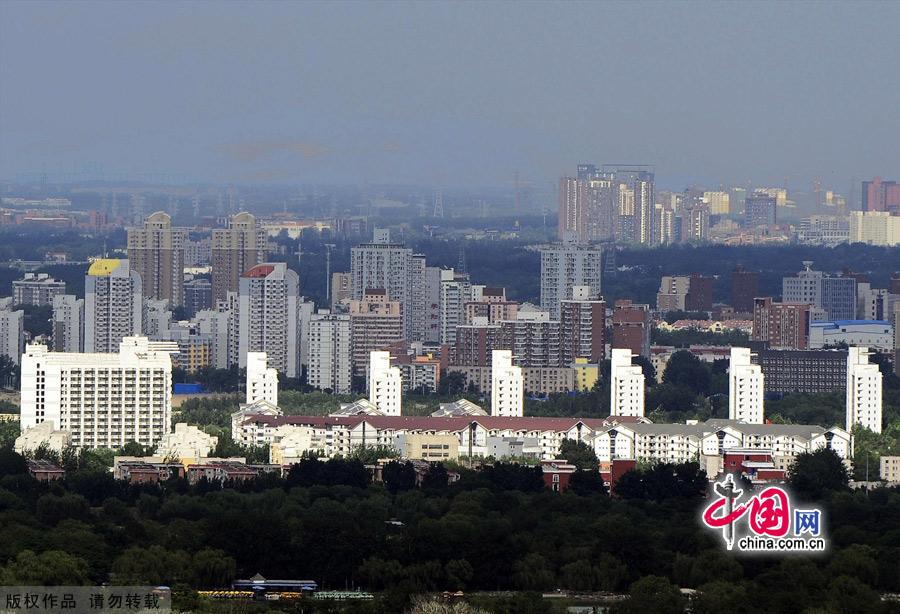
452, 94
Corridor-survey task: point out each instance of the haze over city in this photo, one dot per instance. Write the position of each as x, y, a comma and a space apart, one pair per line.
454, 94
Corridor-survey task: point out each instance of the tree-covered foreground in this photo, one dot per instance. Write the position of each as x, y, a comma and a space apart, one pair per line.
494, 530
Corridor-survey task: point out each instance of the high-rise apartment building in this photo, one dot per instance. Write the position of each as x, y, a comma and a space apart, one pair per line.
383, 264
375, 323
456, 291
627, 385
760, 209
12, 331
565, 266
507, 385
631, 327
582, 327
37, 289
744, 288
330, 364
533, 338
719, 202
197, 296
156, 252
644, 206
341, 289
68, 323
745, 388
104, 400
113, 305
875, 228
235, 250
475, 342
781, 325
268, 316
864, 390
262, 380
385, 384
700, 293
489, 303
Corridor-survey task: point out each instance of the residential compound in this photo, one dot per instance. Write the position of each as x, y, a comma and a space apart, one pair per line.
104, 400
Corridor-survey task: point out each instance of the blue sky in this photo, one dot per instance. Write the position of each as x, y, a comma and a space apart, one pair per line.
451, 93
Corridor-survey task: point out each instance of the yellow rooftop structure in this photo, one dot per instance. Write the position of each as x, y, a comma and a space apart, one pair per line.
103, 266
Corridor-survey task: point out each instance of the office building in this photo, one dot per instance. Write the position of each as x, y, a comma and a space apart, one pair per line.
565, 266
113, 305
235, 249
802, 371
104, 400
880, 195
268, 316
68, 323
631, 327
582, 327
719, 203
828, 230
330, 357
156, 252
781, 325
864, 393
37, 289
507, 385
836, 296
744, 288
760, 209
745, 388
878, 334
262, 380
375, 323
627, 385
385, 384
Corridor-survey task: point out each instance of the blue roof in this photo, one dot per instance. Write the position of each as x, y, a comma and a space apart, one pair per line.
850, 323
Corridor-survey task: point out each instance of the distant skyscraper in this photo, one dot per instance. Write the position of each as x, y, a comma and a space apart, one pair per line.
156, 252
565, 266
330, 365
268, 316
760, 210
878, 195
387, 265
644, 206
235, 250
113, 305
719, 202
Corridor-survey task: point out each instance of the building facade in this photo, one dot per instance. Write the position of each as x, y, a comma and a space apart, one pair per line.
156, 252
113, 305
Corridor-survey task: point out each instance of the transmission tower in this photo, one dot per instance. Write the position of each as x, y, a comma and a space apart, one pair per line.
438, 204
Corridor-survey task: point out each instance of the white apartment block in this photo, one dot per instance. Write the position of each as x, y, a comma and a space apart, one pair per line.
874, 228
156, 319
385, 384
104, 400
890, 468
37, 289
113, 305
565, 266
268, 316
507, 385
864, 394
68, 323
12, 332
330, 364
627, 389
745, 388
262, 380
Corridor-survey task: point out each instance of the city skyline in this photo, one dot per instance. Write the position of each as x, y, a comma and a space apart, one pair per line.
305, 93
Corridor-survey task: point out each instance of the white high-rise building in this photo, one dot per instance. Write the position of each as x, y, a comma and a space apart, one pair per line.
745, 388
12, 331
507, 385
627, 390
864, 392
156, 319
269, 317
330, 358
565, 266
456, 291
113, 305
68, 323
104, 400
385, 384
262, 380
